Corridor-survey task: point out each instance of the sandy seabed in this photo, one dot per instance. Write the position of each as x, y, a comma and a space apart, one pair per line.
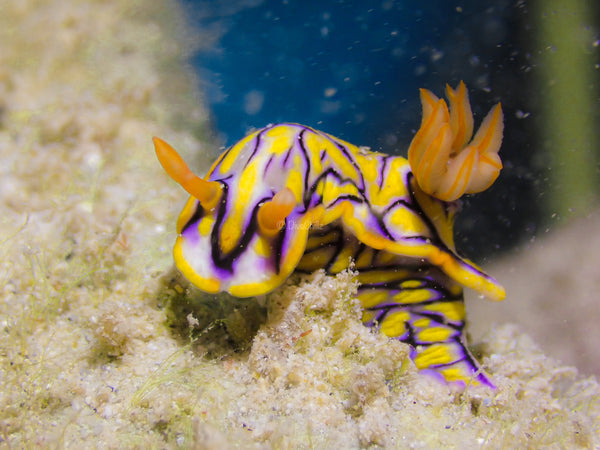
103, 345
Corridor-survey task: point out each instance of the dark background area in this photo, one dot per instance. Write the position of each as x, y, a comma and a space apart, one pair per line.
353, 69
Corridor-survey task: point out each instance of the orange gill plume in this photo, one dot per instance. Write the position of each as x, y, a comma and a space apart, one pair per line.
444, 163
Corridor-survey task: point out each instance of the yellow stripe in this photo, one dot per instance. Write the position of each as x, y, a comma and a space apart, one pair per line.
372, 298
394, 325
454, 311
434, 355
406, 223
233, 155
233, 225
205, 225
319, 241
339, 160
365, 259
435, 334
316, 260
411, 284
381, 276
413, 296
186, 214
342, 261
422, 323
279, 139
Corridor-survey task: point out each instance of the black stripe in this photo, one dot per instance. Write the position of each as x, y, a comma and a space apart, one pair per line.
214, 237
255, 149
435, 239
226, 261
352, 161
384, 160
279, 246
359, 251
268, 165
197, 216
287, 156
308, 165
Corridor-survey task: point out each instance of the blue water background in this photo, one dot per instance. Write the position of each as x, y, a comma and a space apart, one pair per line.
353, 69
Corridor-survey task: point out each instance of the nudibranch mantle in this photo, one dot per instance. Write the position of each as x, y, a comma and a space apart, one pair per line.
289, 198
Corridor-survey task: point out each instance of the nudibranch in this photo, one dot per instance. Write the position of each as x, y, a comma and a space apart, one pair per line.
290, 198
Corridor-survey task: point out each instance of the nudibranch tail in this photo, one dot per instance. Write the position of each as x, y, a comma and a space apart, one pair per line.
444, 164
206, 192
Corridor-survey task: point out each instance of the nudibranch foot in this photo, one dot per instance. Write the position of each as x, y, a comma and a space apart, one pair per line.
445, 165
290, 198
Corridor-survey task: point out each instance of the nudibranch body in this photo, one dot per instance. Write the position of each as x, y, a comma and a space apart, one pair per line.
289, 198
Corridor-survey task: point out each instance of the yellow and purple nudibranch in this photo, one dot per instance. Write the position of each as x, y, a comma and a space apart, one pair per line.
290, 198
